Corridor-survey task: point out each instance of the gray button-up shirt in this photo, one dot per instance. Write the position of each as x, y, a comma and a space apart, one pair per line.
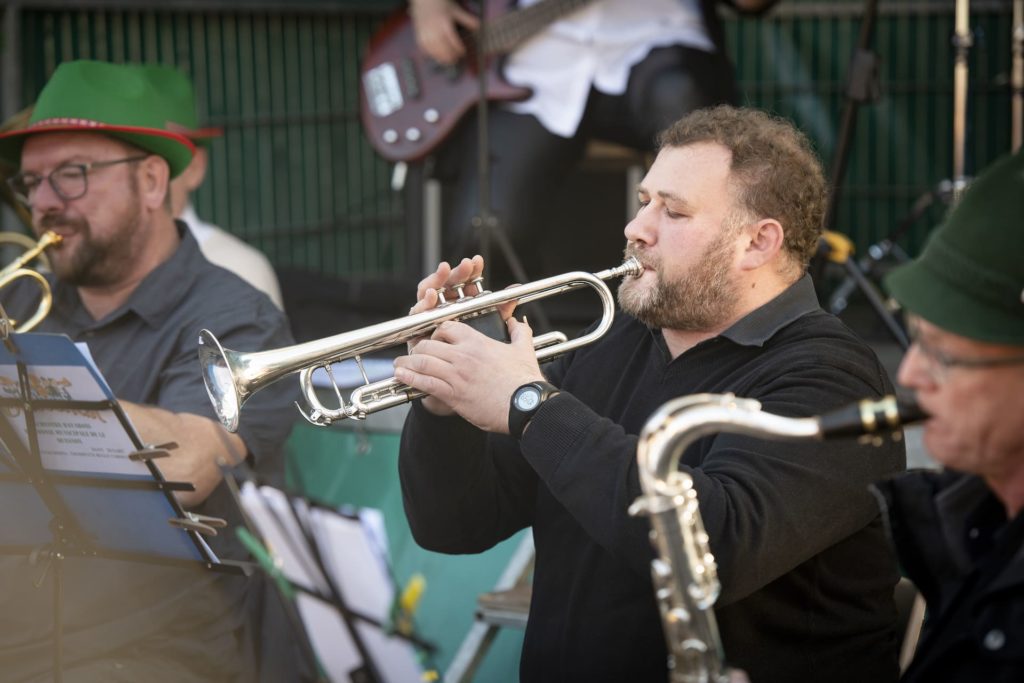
152, 617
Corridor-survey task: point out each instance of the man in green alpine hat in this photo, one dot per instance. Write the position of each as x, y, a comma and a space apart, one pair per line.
959, 532
95, 164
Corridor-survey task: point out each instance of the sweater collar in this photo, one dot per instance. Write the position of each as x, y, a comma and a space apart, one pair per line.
761, 324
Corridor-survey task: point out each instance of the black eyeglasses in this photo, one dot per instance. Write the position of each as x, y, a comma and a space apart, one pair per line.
69, 181
938, 362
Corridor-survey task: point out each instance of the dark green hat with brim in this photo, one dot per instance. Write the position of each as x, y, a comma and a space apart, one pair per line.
179, 103
100, 97
969, 280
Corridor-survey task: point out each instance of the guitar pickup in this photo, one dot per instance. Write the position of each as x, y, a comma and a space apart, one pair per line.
410, 79
383, 90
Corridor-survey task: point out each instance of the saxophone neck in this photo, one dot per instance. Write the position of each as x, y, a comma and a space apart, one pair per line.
886, 414
680, 422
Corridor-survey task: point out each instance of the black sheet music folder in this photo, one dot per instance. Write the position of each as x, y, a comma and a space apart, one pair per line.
67, 478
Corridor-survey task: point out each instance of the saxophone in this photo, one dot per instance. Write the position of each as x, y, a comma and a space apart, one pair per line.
684, 574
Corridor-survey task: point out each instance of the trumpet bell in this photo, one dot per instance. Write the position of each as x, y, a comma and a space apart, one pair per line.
20, 268
219, 374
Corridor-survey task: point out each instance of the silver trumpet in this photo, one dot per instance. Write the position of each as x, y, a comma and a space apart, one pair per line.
231, 377
685, 575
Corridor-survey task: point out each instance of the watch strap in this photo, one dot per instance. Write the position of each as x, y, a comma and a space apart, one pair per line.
518, 419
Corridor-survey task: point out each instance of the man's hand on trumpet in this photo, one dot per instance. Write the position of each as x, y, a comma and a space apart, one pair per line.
462, 370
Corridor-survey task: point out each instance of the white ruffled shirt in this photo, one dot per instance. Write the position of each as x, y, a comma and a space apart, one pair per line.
596, 46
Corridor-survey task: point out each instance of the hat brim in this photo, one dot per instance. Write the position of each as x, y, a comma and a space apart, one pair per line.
926, 293
176, 149
197, 135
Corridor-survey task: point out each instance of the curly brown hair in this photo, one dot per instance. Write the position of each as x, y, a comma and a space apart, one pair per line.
777, 172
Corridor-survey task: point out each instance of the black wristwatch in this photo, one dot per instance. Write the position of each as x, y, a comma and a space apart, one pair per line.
526, 401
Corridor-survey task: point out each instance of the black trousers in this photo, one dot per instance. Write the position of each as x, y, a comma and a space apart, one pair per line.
528, 164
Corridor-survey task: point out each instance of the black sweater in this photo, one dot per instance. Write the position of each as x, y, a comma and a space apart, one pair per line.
807, 577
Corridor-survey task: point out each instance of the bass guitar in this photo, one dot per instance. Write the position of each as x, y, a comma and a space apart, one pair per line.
409, 104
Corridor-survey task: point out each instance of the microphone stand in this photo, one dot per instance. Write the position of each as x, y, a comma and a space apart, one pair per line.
962, 42
862, 87
485, 223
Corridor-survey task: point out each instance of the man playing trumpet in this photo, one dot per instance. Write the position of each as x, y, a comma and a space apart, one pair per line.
731, 212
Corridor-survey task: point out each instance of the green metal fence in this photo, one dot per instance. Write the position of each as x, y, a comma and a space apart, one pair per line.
795, 62
294, 175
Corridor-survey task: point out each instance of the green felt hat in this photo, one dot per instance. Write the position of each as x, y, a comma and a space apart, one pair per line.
969, 280
179, 110
100, 97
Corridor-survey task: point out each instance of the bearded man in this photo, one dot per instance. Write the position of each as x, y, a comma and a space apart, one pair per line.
731, 212
95, 166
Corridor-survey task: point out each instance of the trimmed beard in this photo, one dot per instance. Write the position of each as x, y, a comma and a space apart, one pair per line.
699, 300
97, 262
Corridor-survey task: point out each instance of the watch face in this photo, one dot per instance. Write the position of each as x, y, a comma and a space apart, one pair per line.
528, 398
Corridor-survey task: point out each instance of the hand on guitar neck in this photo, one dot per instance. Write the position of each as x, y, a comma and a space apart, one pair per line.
436, 24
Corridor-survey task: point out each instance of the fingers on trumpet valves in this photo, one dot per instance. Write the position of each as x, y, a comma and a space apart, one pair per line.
460, 291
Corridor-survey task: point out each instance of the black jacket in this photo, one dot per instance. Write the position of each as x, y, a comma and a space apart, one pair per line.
955, 544
807, 576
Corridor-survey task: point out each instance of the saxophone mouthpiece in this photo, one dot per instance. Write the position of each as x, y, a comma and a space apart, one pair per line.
886, 414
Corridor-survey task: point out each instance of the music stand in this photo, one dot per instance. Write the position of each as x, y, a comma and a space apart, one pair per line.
76, 480
335, 581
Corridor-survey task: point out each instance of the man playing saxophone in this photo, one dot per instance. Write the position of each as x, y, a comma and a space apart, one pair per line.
731, 212
959, 532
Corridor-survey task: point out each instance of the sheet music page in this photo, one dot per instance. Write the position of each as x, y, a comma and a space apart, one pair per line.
71, 440
330, 638
358, 565
271, 514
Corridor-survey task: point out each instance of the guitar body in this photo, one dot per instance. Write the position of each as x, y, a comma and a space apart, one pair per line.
408, 103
